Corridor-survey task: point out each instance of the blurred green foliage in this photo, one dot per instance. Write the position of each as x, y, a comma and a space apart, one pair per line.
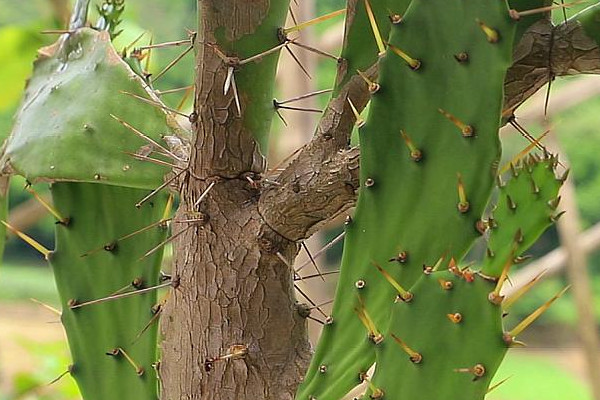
534, 376
52, 360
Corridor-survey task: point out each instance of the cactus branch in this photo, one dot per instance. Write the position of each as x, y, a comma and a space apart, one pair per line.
544, 51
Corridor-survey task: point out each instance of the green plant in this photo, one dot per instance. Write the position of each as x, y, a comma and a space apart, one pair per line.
107, 238
435, 73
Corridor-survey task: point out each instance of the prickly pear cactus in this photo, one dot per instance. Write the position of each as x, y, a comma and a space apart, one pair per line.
98, 254
110, 233
527, 206
429, 162
76, 86
462, 341
427, 174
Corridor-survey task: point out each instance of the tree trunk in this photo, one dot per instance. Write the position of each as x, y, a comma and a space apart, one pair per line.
233, 289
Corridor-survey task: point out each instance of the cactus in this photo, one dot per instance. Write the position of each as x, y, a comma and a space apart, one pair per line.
465, 306
113, 354
108, 241
406, 302
86, 73
424, 163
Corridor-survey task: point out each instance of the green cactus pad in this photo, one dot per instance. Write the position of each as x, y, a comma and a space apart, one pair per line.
88, 264
64, 130
361, 52
451, 324
526, 207
409, 211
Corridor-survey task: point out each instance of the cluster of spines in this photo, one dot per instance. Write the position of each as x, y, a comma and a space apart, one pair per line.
464, 301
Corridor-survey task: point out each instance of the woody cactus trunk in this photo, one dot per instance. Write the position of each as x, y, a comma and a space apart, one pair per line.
441, 78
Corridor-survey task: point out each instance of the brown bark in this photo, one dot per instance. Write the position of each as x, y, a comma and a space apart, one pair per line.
316, 186
318, 192
545, 52
233, 288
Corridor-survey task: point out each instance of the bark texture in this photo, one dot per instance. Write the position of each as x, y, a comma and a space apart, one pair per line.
233, 290
234, 294
545, 52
